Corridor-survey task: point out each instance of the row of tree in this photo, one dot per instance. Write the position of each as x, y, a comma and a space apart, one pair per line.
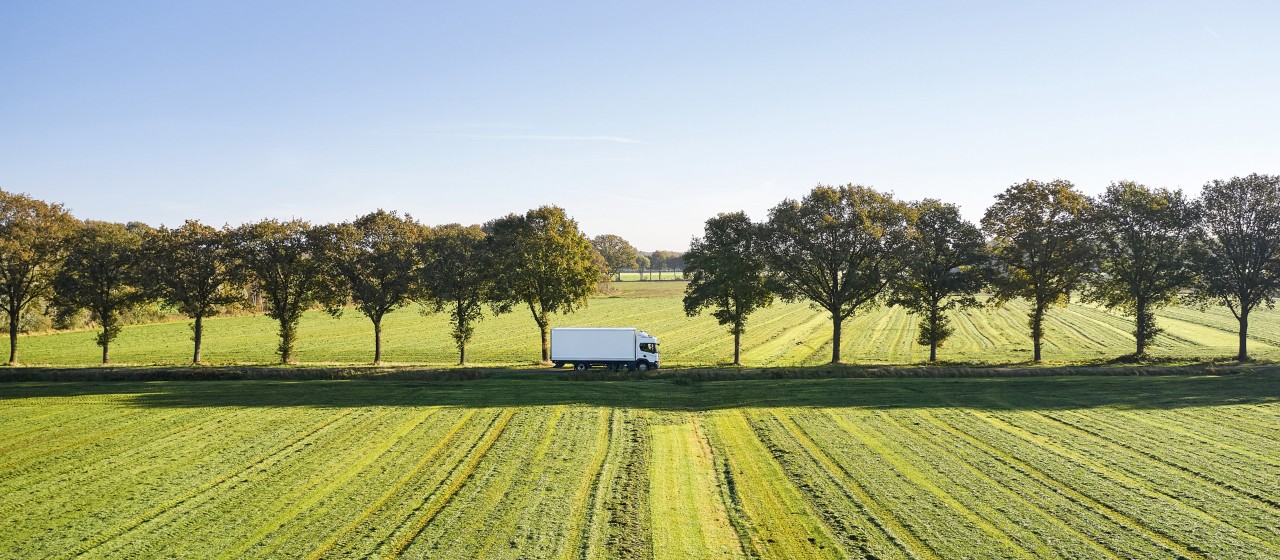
1133, 249
377, 263
620, 255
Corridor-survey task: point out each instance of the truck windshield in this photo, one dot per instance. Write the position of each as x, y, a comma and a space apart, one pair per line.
649, 347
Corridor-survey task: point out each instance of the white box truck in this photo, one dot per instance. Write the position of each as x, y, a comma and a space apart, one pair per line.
614, 348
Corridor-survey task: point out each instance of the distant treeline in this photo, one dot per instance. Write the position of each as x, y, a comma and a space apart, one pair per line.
843, 249
1132, 249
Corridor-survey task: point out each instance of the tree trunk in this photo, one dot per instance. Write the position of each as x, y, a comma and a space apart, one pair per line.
1243, 355
1037, 329
286, 341
737, 335
13, 338
1140, 333
933, 334
106, 343
835, 337
196, 332
377, 341
546, 340
462, 352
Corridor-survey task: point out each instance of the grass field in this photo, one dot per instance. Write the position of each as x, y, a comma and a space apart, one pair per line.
782, 335
529, 467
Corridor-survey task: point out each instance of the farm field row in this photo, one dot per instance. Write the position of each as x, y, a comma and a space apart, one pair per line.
782, 335
509, 468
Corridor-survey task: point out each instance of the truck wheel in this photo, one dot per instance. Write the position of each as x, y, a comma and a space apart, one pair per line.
643, 366
580, 366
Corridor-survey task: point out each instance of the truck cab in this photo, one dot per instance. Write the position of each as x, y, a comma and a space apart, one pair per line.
647, 349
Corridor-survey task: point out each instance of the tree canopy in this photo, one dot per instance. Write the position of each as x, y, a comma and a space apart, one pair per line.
373, 262
279, 259
1240, 263
727, 271
944, 264
33, 236
1042, 244
1146, 241
618, 253
458, 276
190, 268
837, 248
544, 262
102, 273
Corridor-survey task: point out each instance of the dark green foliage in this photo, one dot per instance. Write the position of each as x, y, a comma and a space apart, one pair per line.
373, 262
726, 270
666, 260
192, 269
1042, 244
542, 261
1148, 237
1240, 263
618, 253
458, 276
32, 243
838, 248
102, 273
279, 259
944, 265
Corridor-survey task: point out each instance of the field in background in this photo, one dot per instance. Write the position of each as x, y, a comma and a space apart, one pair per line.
782, 335
1073, 467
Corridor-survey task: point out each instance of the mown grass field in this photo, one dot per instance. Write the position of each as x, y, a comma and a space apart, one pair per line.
782, 335
524, 466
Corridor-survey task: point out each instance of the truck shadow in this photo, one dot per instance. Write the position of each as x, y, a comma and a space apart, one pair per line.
1134, 392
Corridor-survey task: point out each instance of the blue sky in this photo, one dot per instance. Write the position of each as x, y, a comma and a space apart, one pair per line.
641, 119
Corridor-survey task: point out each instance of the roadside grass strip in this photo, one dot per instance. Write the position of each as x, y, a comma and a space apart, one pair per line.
305, 499
586, 509
1199, 495
689, 520
422, 516
1025, 524
1184, 529
88, 494
620, 524
776, 519
487, 497
869, 530
1112, 528
1207, 453
448, 440
940, 517
239, 470
223, 515
375, 525
524, 492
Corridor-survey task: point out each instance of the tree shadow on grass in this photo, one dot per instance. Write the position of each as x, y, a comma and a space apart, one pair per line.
1260, 386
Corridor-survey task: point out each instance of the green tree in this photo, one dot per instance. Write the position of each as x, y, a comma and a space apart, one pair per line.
838, 248
544, 262
643, 263
1042, 245
458, 276
666, 260
279, 258
1240, 264
944, 266
1147, 239
727, 271
618, 253
102, 274
32, 243
372, 262
191, 268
